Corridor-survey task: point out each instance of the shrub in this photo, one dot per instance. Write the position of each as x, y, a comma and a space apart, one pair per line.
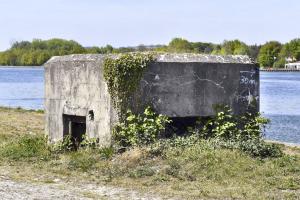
229, 127
107, 152
223, 125
63, 145
251, 126
90, 143
139, 129
259, 148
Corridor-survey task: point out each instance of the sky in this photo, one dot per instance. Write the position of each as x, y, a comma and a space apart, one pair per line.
135, 22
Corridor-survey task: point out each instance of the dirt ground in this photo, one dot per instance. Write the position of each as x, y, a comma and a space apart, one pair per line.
11, 190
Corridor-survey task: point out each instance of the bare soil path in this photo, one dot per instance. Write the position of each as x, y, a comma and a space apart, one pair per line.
11, 190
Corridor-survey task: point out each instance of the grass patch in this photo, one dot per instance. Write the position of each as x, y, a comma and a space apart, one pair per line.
82, 160
26, 147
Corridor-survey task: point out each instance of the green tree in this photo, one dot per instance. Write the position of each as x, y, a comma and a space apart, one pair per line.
107, 49
291, 50
38, 51
279, 63
217, 49
42, 57
269, 54
202, 47
180, 45
234, 47
254, 51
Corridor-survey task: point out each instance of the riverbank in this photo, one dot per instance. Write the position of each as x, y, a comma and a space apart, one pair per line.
191, 173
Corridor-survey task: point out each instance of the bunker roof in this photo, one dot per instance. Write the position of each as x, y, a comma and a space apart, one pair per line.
162, 57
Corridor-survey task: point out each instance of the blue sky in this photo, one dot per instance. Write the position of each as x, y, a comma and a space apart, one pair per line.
134, 22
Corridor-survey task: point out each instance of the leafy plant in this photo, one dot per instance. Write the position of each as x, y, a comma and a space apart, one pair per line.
63, 145
89, 142
223, 125
106, 152
251, 126
227, 126
139, 129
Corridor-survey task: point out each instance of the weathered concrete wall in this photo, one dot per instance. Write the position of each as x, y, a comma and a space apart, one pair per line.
176, 85
74, 85
183, 85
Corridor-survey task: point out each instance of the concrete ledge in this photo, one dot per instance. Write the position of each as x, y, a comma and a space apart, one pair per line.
162, 57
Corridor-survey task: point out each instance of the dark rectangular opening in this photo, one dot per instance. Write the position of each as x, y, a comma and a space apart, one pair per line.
75, 127
180, 125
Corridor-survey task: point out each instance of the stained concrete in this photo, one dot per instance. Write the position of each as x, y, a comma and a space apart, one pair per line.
176, 85
74, 85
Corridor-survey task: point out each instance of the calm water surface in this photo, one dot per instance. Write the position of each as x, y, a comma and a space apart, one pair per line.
280, 98
22, 87
280, 102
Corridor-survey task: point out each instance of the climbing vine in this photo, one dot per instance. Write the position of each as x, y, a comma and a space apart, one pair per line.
123, 75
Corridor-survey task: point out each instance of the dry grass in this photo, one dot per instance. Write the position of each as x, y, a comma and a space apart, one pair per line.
191, 173
15, 122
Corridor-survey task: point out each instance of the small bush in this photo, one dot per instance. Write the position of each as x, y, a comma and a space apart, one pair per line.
64, 145
139, 129
227, 126
259, 148
223, 125
91, 143
107, 152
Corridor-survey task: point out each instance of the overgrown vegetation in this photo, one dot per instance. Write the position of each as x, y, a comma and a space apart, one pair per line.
184, 167
138, 130
123, 75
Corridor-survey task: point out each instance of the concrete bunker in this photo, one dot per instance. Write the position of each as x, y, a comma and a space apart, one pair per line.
181, 86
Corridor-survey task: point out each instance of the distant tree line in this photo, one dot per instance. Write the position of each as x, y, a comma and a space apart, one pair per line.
36, 53
272, 54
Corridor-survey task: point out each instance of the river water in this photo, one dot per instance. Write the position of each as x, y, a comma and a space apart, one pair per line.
22, 87
279, 101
